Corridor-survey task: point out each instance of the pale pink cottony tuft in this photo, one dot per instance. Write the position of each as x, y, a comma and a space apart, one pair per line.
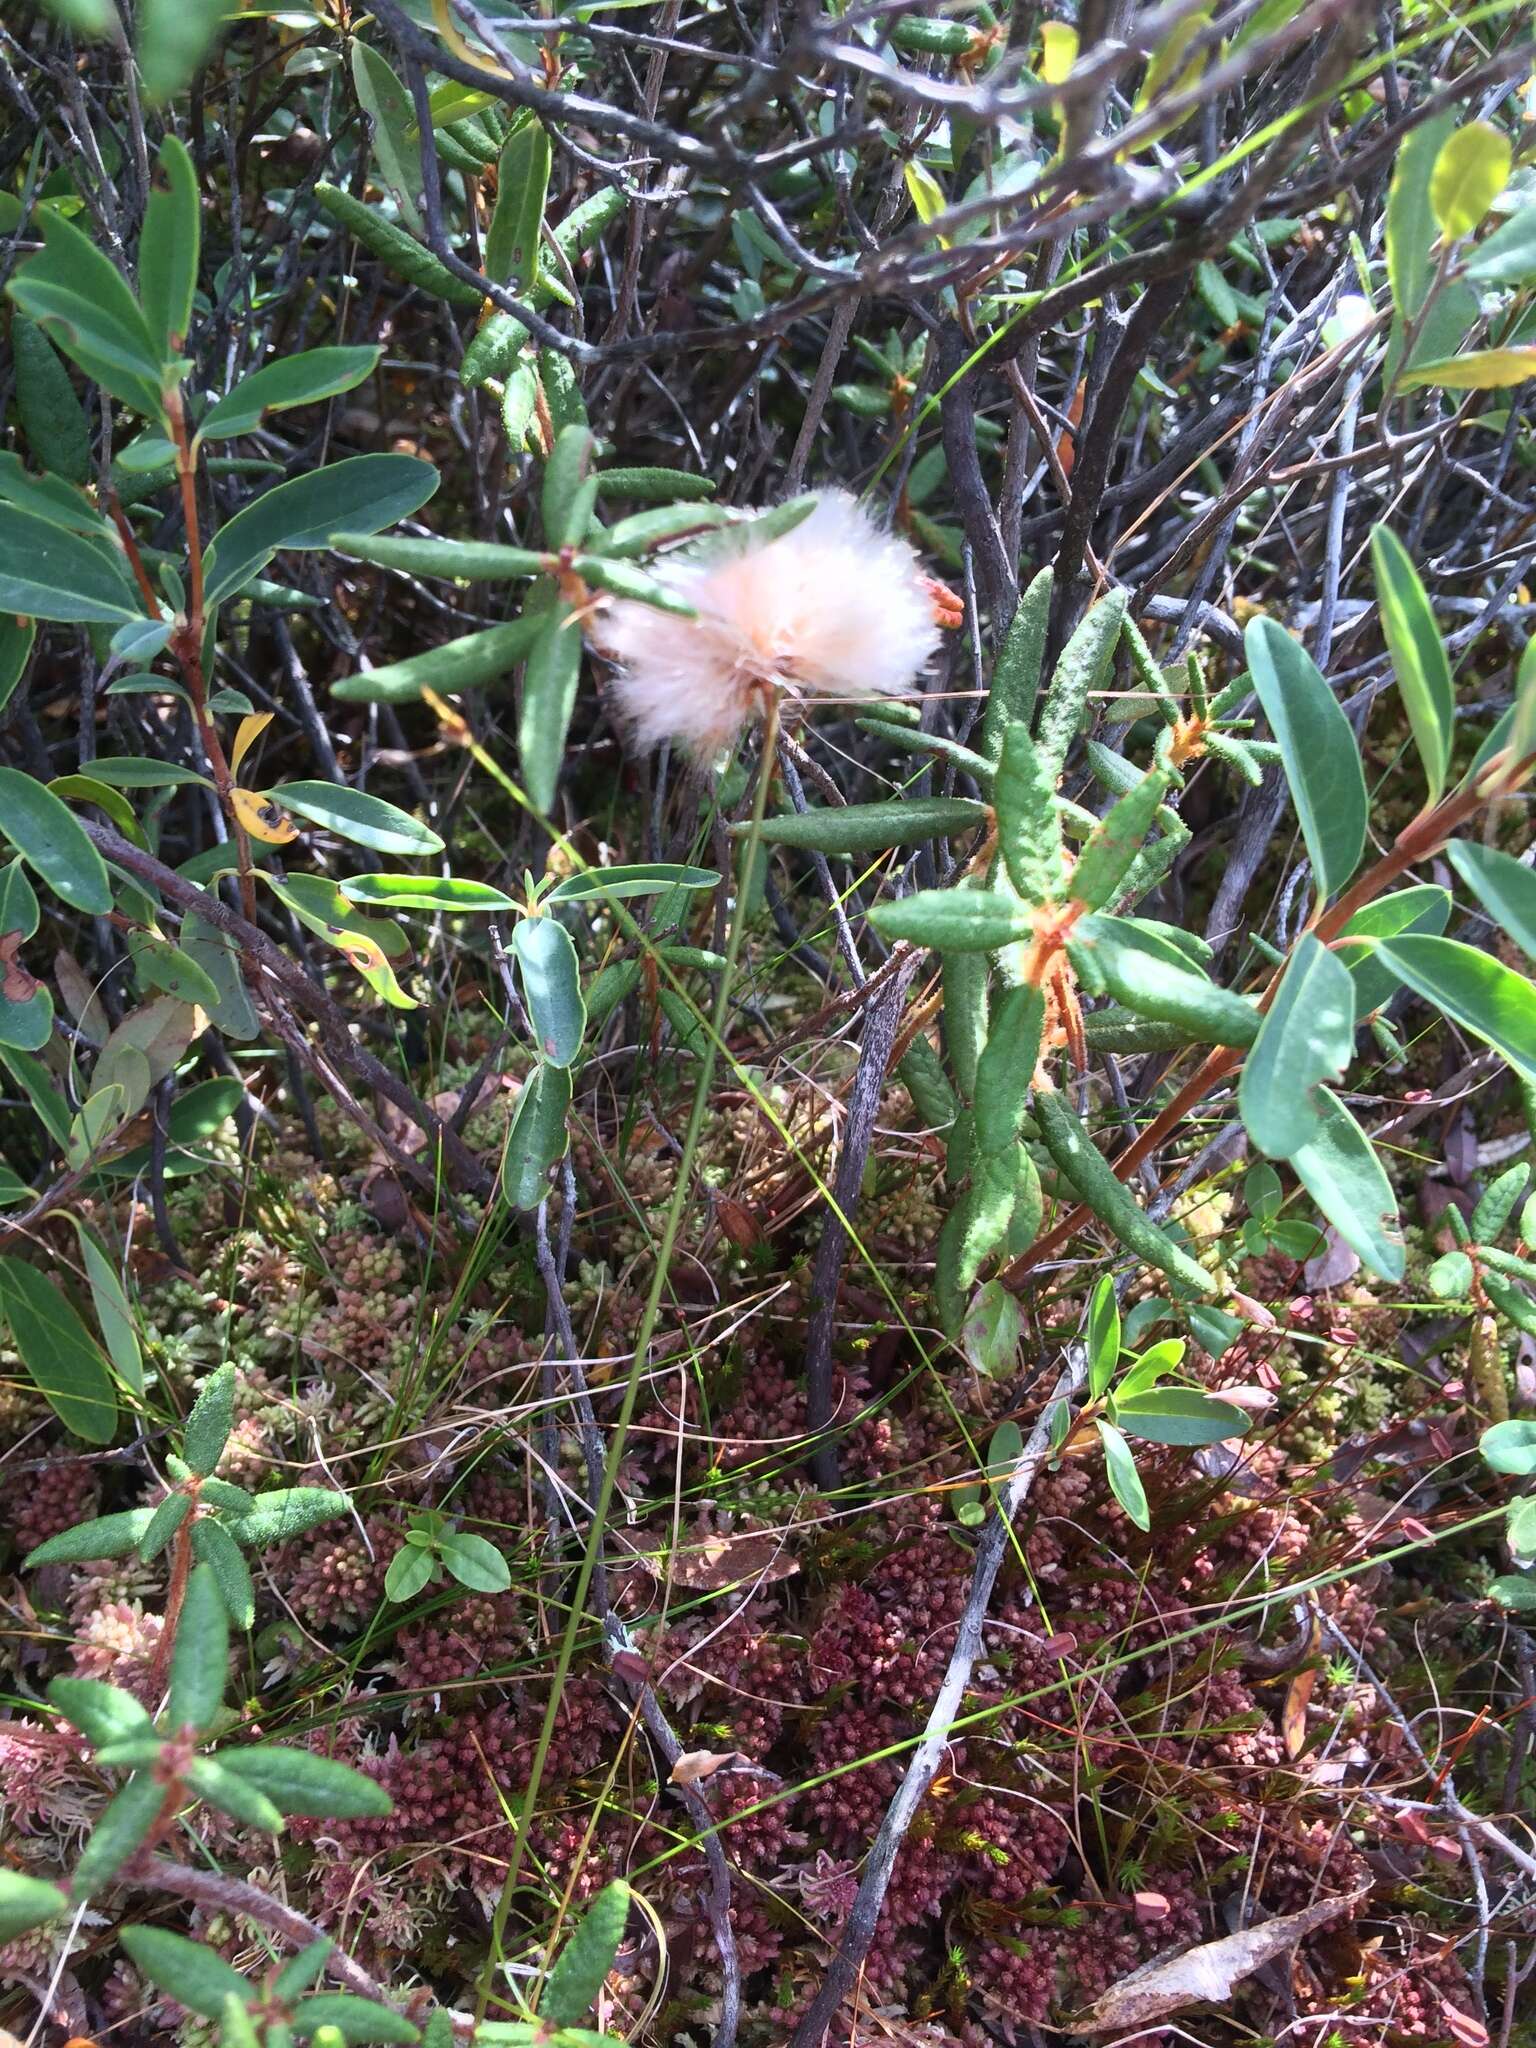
833, 608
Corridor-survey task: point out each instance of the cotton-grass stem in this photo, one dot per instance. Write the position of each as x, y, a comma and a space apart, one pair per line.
680, 1196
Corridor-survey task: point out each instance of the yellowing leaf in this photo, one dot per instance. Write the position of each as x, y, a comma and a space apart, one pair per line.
1470, 172
262, 817
1481, 369
1058, 51
926, 194
368, 957
1163, 70
251, 730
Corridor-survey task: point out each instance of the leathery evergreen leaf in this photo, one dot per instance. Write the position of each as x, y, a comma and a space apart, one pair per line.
1418, 655
1317, 750
1028, 825
551, 978
583, 1964
1478, 992
1339, 1169
1307, 1038
64, 1361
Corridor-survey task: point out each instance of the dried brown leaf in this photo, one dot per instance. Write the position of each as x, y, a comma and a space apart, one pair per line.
1205, 1975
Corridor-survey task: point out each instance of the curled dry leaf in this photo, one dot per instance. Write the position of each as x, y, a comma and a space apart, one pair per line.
1205, 1975
1293, 1718
695, 1765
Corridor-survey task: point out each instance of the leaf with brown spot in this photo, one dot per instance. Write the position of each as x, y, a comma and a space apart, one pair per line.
1206, 1974
16, 984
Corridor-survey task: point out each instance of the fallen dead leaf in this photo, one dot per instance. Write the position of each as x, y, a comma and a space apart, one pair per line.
695, 1765
705, 1563
1293, 1718
1205, 1975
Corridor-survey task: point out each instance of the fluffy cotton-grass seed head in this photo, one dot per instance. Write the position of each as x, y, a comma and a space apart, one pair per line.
835, 607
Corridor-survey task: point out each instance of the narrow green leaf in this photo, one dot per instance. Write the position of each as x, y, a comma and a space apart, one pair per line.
1158, 980
299, 1782
52, 417
1083, 668
522, 183
1505, 887
355, 2020
1339, 1169
538, 1137
118, 1833
200, 1659
210, 1421
167, 1518
1088, 1172
583, 1964
284, 1512
103, 1713
304, 379
1028, 825
47, 572
355, 815
106, 1536
454, 560
1498, 1204
391, 117
232, 1795
1480, 993
1307, 1038
64, 1361
570, 491
1423, 908
27, 1902
1124, 1480
1179, 1415
1508, 257
1317, 748
456, 665
195, 1976
551, 978
1006, 1070
169, 247
1450, 1277
174, 39
80, 299
1016, 673
1105, 861
213, 1546
363, 493
425, 892
645, 878
549, 694
1103, 1337
959, 920
1418, 655
873, 828
17, 639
